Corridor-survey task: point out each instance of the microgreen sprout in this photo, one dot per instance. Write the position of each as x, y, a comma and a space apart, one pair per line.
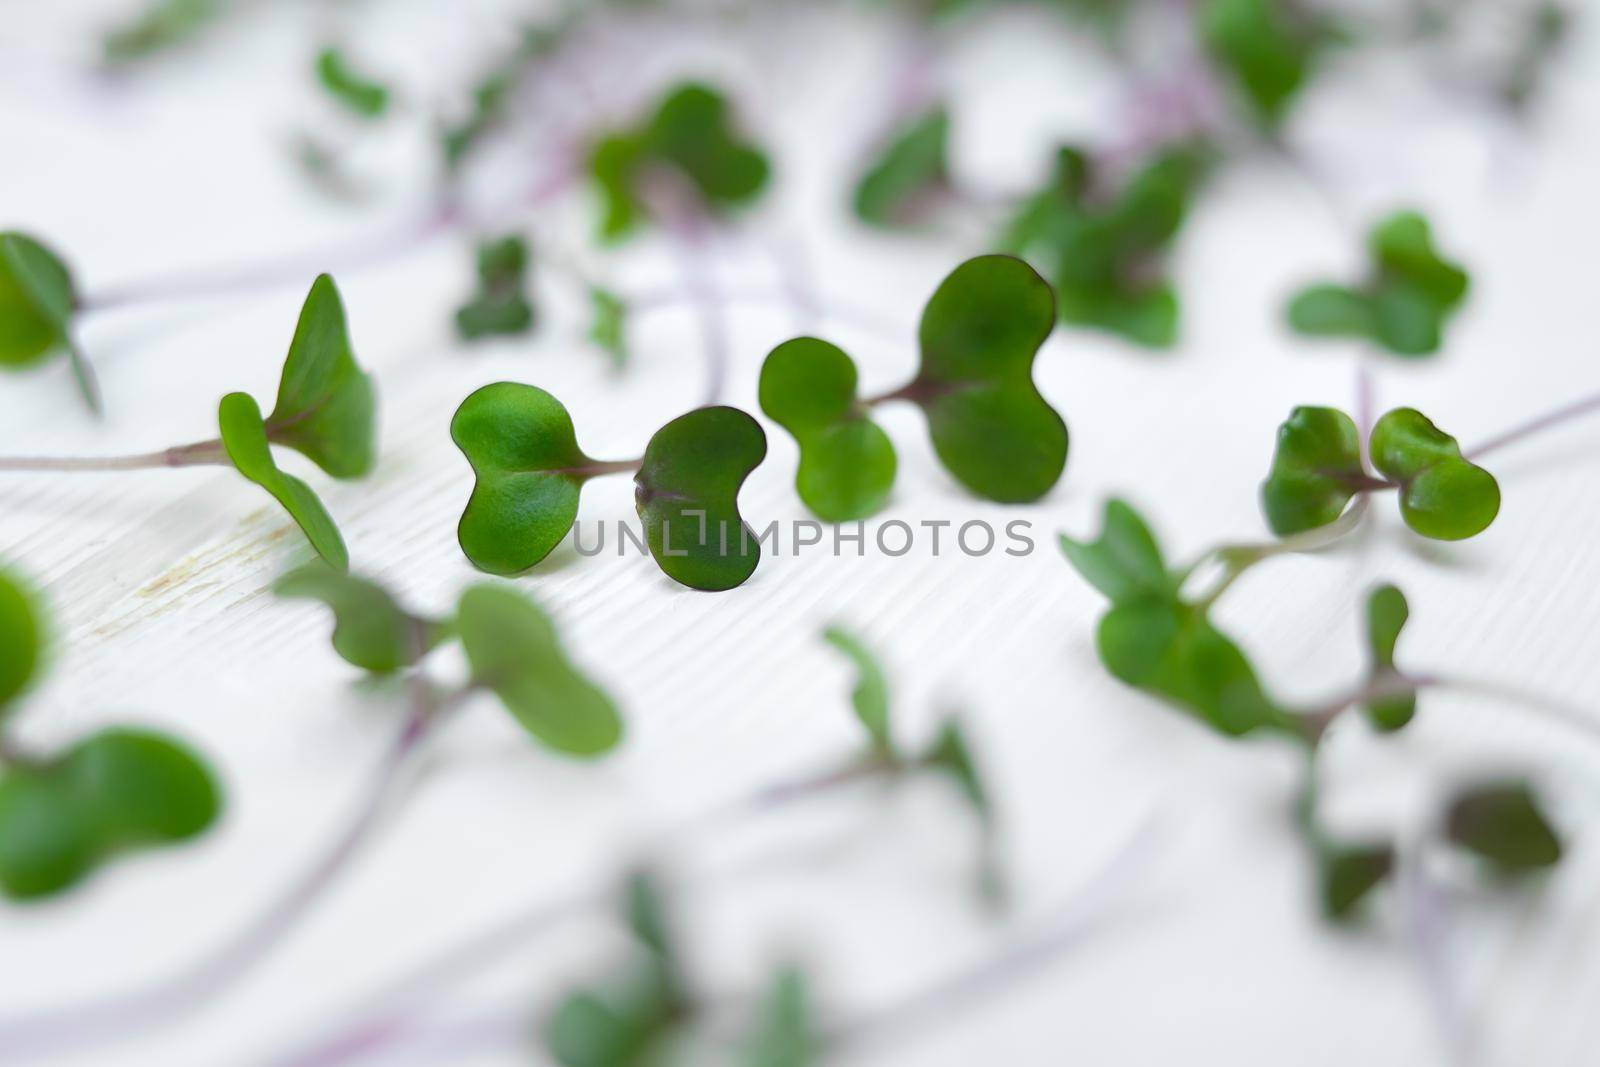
38, 300
909, 174
351, 88
325, 410
608, 325
529, 472
1501, 823
1105, 248
981, 331
1317, 469
114, 791
1267, 47
692, 135
500, 306
1411, 291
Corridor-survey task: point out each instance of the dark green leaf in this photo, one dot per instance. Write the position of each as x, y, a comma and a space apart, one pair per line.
785, 1034
979, 335
36, 300
1316, 469
687, 494
47, 843
1125, 563
847, 462
871, 693
1442, 495
500, 307
1349, 873
514, 650
352, 89
908, 172
1386, 617
21, 641
1501, 823
326, 407
370, 630
244, 436
529, 468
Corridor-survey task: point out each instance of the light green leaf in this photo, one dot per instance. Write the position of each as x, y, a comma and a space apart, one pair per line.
244, 437
370, 630
326, 407
1442, 495
1125, 563
870, 696
908, 172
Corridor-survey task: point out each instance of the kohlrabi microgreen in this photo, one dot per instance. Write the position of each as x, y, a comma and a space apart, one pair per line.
1317, 469
118, 790
324, 410
1105, 248
691, 135
355, 91
501, 305
38, 300
1267, 47
1409, 294
1501, 823
523, 450
909, 173
980, 333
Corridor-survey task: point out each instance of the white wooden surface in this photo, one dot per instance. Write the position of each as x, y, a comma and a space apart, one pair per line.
1210, 952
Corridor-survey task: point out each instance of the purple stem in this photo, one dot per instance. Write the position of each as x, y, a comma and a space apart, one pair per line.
1574, 410
182, 995
199, 454
681, 212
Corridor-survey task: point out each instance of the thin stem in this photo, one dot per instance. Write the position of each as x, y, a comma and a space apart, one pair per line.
184, 993
199, 454
682, 213
600, 468
1237, 559
1566, 413
387, 1011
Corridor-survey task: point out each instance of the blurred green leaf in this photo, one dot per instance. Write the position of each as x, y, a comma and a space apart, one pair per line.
1124, 563
1316, 469
1349, 873
1442, 495
371, 630
21, 641
785, 1034
1501, 823
244, 437
37, 302
847, 463
1387, 612
687, 494
500, 307
608, 326
352, 89
162, 25
513, 650
870, 696
951, 755
909, 171
1267, 46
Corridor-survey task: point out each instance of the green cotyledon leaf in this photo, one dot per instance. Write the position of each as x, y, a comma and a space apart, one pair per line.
847, 462
1502, 823
119, 790
687, 495
36, 299
21, 641
529, 472
980, 333
1387, 613
908, 172
244, 437
1124, 562
513, 650
1442, 495
500, 307
785, 1033
326, 408
870, 697
1267, 46
1316, 469
371, 630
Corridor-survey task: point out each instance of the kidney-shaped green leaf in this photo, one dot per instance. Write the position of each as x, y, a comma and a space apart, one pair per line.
244, 437
370, 630
687, 494
514, 650
1442, 495
979, 335
1316, 469
847, 462
326, 407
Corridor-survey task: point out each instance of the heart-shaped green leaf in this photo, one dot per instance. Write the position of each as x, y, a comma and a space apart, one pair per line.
1501, 822
909, 171
692, 133
1268, 47
500, 306
353, 90
1348, 873
529, 468
871, 693
514, 650
370, 630
21, 641
1442, 495
117, 791
979, 335
847, 462
244, 437
1316, 469
326, 407
1124, 563
687, 494
1387, 612
785, 1033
